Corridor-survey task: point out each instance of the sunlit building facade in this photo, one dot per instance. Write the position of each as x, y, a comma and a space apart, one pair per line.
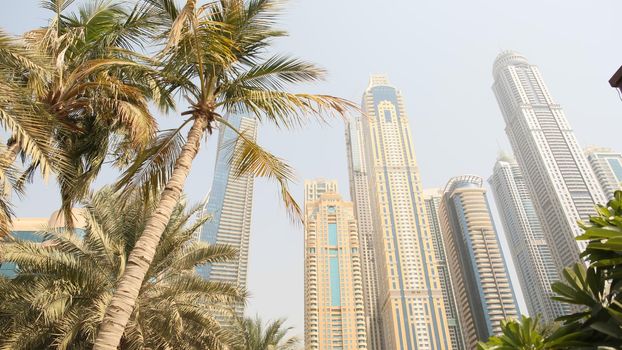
432, 199
561, 183
607, 166
410, 299
359, 193
481, 282
229, 207
334, 306
532, 256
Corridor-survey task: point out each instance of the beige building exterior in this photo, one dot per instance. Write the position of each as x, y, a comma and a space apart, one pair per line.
334, 308
410, 299
359, 193
481, 282
56, 220
432, 199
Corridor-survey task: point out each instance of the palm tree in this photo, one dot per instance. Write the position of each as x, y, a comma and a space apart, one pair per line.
593, 290
63, 285
73, 93
530, 334
257, 336
596, 290
217, 54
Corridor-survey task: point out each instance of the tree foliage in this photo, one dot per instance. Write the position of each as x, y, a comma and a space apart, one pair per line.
63, 285
255, 335
593, 288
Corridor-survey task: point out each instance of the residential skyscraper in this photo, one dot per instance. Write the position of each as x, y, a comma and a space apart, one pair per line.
479, 274
561, 183
359, 193
229, 207
334, 306
410, 299
432, 199
530, 250
607, 165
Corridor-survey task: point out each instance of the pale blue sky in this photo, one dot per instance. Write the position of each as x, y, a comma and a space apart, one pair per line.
439, 53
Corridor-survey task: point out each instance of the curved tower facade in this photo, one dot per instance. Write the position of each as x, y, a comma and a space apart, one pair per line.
479, 274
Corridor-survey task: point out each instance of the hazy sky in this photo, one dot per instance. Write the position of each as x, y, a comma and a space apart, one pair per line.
439, 53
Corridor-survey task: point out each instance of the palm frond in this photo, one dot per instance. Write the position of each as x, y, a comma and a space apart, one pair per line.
254, 160
153, 167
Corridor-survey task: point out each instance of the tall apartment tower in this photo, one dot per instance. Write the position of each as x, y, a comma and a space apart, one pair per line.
334, 306
561, 183
229, 206
607, 165
479, 274
410, 300
531, 252
359, 193
432, 199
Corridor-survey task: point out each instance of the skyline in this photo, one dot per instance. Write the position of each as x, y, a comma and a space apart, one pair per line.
428, 149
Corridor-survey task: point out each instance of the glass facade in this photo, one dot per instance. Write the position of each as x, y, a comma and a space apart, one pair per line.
335, 281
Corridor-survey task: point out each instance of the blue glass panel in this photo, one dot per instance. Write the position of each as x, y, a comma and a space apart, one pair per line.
335, 286
331, 210
616, 167
9, 269
387, 116
332, 234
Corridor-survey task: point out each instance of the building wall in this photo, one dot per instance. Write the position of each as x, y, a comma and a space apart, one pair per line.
530, 250
432, 198
561, 183
28, 229
229, 206
483, 288
409, 296
359, 192
607, 166
334, 305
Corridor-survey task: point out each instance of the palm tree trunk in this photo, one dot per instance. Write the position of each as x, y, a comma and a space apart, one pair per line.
120, 308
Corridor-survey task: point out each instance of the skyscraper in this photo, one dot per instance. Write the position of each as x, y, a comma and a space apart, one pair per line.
480, 278
532, 256
410, 300
432, 199
359, 192
229, 207
334, 307
561, 183
607, 165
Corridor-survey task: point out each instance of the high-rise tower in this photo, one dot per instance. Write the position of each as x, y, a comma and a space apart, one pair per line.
532, 256
559, 179
479, 274
607, 165
410, 300
432, 199
334, 307
359, 192
229, 207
